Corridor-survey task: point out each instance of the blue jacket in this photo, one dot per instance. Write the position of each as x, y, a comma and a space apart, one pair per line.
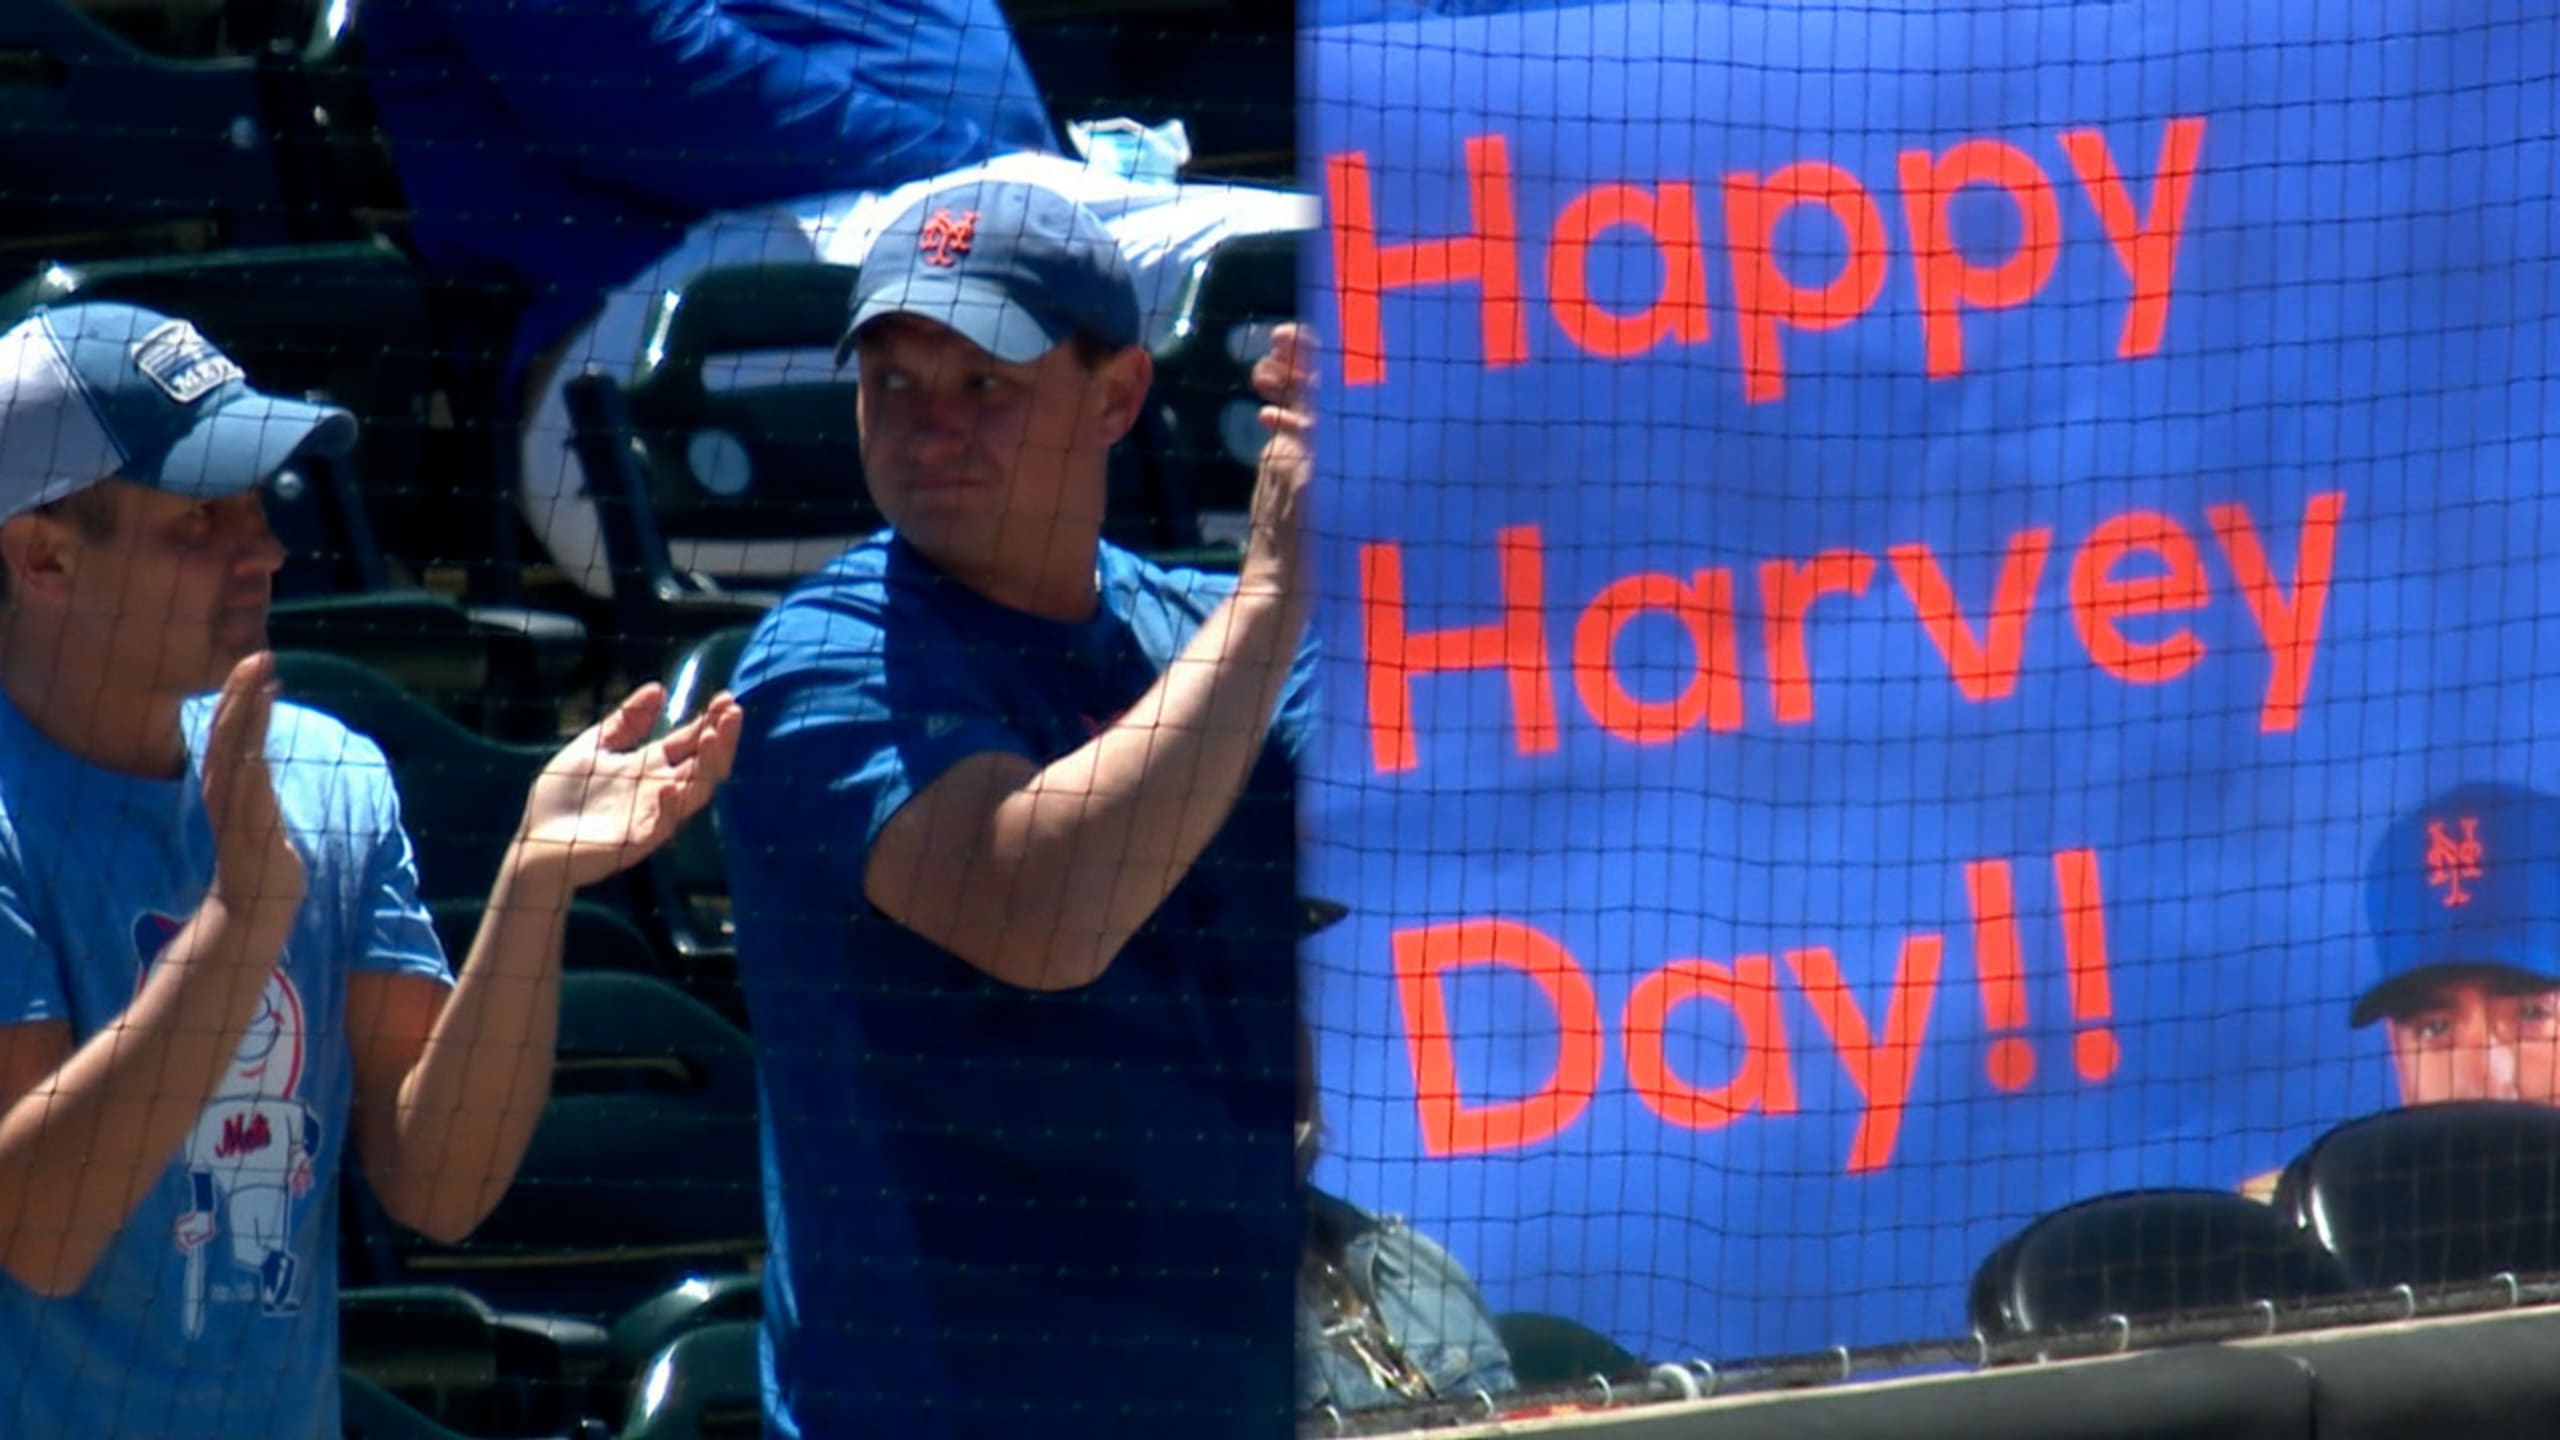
567, 143
1430, 1305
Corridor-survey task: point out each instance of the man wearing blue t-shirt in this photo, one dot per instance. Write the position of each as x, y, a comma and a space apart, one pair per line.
216, 980
603, 152
1012, 845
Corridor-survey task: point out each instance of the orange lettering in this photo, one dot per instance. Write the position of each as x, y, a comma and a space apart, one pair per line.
1882, 1073
1704, 608
1949, 283
2291, 626
2099, 603
1449, 1126
1764, 296
1517, 643
1787, 590
2147, 248
1364, 271
1766, 1077
1984, 671
1679, 308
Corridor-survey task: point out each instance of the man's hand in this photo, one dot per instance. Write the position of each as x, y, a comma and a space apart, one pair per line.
606, 800
1286, 380
257, 874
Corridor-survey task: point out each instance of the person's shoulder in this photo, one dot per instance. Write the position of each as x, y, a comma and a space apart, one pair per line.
317, 756
841, 616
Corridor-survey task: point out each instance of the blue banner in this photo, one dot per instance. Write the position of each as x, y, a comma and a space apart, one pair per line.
1911, 597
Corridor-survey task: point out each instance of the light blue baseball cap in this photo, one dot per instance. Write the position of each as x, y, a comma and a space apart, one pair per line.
99, 391
1015, 268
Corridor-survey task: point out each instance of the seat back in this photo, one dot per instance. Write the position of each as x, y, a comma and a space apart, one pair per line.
2147, 1253
461, 793
2434, 1194
1552, 1350
703, 1386
1204, 396
643, 1170
116, 152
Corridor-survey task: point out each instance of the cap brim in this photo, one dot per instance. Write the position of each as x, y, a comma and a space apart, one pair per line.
2403, 993
245, 441
978, 312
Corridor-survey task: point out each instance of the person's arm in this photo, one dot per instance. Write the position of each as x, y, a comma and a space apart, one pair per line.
89, 1131
676, 99
1038, 875
450, 1085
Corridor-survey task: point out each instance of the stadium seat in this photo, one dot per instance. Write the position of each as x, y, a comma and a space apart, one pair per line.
2146, 1253
367, 1411
113, 151
643, 1171
1552, 1350
648, 1328
444, 1352
703, 1386
688, 880
1204, 397
2434, 1194
655, 606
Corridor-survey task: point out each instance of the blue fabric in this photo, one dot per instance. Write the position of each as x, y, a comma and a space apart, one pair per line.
566, 143
97, 872
1426, 1299
987, 1206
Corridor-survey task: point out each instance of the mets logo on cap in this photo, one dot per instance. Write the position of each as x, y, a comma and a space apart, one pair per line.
2471, 879
945, 237
177, 359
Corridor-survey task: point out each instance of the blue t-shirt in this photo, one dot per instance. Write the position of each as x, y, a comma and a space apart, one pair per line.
566, 144
214, 1312
990, 1207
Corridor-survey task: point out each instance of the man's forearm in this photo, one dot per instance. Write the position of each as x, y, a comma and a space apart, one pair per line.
80, 1151
1095, 842
469, 1107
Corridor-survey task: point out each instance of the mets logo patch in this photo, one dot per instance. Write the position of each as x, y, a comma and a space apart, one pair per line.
182, 363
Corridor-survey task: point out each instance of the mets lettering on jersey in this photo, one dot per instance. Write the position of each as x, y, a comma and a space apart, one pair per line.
1891, 573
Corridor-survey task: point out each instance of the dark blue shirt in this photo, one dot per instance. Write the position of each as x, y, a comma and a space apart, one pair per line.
567, 143
992, 1208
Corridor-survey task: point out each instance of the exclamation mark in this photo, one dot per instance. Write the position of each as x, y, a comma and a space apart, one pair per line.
2084, 956
2012, 1061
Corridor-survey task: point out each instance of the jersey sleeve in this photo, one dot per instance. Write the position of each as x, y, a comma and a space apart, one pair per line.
399, 937
852, 709
680, 99
30, 966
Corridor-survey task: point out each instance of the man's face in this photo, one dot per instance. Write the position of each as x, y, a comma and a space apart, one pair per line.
2478, 1039
983, 464
177, 593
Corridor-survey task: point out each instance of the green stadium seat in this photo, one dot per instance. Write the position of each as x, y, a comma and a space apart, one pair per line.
643, 1171
703, 1386
1548, 1350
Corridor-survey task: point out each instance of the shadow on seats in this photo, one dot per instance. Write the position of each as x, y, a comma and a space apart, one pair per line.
2147, 1253
2435, 1194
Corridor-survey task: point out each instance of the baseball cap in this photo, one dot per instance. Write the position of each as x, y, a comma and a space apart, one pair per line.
90, 392
1015, 268
2471, 880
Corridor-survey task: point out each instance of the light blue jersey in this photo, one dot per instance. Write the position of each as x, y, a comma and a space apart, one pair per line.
214, 1311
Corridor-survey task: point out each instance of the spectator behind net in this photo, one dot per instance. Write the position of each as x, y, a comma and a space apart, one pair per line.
216, 979
602, 152
1385, 1315
1012, 848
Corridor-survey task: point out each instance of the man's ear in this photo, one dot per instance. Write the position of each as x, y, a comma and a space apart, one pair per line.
1122, 396
40, 552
